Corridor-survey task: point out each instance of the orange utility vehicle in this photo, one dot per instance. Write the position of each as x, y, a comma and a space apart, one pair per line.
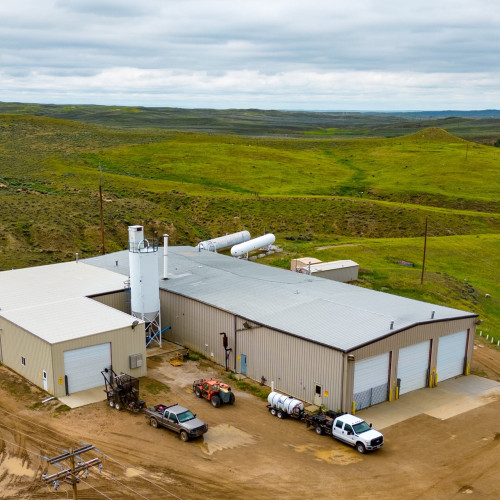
214, 391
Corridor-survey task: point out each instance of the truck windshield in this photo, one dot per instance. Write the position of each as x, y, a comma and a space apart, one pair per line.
361, 427
185, 416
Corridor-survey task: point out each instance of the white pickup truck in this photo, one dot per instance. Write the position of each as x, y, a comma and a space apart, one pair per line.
356, 432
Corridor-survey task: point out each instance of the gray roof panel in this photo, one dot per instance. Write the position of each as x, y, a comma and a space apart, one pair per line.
336, 314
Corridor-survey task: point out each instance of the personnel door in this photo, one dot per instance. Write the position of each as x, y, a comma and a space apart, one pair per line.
44, 380
243, 364
318, 395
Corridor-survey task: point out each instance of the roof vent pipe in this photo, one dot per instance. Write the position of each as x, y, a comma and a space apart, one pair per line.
432, 314
392, 325
165, 256
76, 257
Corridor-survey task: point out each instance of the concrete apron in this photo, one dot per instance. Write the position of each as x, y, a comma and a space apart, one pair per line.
83, 398
451, 397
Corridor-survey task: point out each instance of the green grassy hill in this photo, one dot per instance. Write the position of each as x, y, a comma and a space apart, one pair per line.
329, 197
479, 126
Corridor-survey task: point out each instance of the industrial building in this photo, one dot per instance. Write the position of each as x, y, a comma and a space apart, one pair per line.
56, 331
322, 341
337, 270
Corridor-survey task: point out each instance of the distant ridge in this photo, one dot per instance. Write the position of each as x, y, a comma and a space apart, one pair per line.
480, 126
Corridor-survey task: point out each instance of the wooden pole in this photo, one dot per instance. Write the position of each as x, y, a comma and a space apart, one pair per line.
425, 248
100, 210
73, 476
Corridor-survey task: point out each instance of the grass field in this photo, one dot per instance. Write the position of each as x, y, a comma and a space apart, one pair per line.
323, 194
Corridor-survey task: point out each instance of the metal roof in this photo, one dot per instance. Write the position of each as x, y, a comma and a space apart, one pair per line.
334, 264
335, 314
68, 319
50, 301
38, 285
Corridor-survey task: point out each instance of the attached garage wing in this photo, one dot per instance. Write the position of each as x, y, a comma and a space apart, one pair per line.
413, 366
83, 367
371, 379
451, 355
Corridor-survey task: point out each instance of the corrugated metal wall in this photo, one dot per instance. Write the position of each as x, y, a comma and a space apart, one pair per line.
40, 355
197, 326
17, 342
295, 365
430, 331
124, 342
344, 275
117, 300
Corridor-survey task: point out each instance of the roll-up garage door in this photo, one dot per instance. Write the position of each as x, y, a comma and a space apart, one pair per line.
451, 355
413, 366
83, 366
371, 378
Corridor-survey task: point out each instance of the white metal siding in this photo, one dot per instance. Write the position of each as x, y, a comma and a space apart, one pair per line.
413, 366
371, 377
83, 366
451, 355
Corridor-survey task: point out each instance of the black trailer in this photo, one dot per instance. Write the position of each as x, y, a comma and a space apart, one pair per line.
122, 391
323, 421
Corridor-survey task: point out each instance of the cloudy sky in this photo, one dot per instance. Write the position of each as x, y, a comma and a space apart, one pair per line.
270, 54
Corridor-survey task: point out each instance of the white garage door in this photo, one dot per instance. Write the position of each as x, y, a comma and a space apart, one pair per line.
83, 366
371, 378
451, 355
413, 366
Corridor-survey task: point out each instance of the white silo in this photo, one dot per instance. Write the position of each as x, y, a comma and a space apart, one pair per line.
144, 282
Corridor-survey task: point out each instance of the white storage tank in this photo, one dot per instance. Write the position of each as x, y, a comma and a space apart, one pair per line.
285, 403
255, 244
224, 241
144, 286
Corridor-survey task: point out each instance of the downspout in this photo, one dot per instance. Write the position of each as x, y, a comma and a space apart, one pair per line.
344, 377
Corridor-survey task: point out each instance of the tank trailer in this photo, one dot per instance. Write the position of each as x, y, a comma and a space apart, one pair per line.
342, 426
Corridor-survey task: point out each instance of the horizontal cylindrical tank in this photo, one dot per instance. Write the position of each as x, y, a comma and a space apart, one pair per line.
256, 243
224, 241
285, 403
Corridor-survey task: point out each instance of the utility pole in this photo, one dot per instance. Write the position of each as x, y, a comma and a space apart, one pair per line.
425, 248
100, 209
71, 474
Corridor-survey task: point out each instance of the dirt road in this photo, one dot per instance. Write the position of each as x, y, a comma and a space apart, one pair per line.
247, 453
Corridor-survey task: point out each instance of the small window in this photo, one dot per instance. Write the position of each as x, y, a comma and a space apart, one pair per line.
339, 424
23, 360
173, 418
348, 428
318, 390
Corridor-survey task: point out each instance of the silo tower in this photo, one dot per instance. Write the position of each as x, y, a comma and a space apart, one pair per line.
144, 282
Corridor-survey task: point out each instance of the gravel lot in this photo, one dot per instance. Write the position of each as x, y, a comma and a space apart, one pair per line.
247, 453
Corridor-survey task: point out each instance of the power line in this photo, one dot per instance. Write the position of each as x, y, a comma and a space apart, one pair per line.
28, 451
144, 478
124, 485
74, 472
59, 448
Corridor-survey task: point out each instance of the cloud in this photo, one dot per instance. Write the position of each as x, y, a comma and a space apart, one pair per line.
320, 55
